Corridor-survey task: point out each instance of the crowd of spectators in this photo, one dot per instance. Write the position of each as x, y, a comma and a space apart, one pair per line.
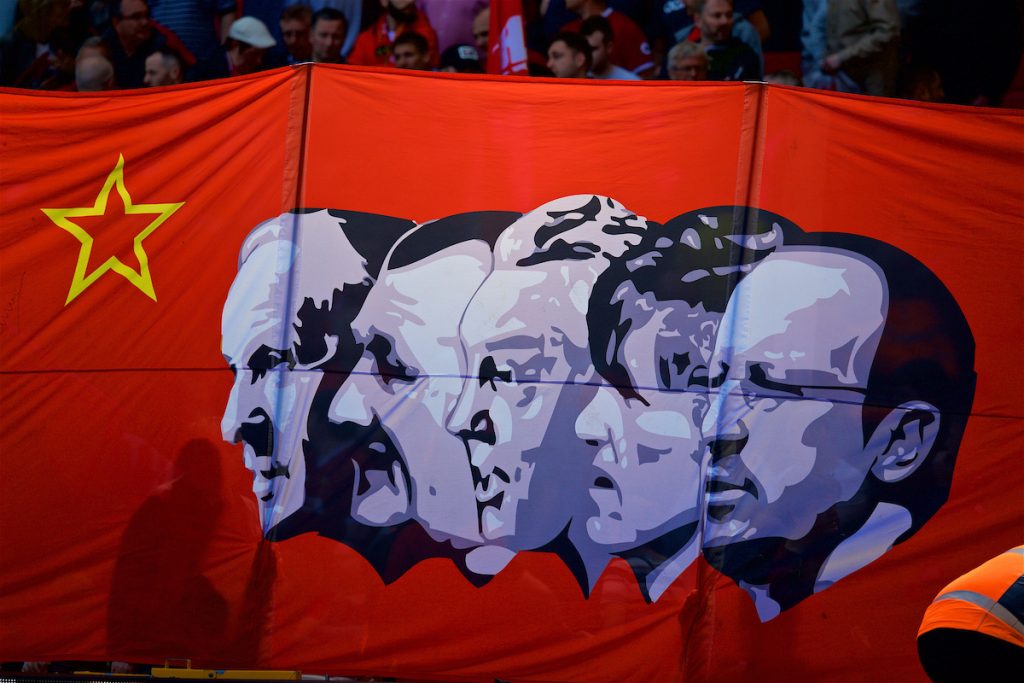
932, 50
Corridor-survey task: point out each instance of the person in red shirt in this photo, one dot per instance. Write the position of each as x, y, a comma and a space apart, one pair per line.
373, 46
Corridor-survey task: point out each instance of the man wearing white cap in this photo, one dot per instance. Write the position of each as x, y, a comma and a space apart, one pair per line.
246, 45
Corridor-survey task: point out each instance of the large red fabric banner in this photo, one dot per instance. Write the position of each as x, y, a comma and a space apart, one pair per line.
461, 378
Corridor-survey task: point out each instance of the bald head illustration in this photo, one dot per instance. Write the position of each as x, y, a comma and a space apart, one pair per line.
525, 335
844, 376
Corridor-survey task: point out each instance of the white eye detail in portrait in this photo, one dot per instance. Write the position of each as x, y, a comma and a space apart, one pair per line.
581, 380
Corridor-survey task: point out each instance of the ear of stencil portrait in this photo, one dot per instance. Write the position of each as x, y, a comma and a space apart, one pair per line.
844, 390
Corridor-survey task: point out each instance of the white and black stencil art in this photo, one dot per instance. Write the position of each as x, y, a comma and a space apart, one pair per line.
581, 380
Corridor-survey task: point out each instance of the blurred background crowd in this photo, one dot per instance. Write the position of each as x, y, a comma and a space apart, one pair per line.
930, 50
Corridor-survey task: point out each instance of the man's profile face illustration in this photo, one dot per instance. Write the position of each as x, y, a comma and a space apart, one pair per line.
646, 475
277, 335
785, 431
525, 335
402, 389
268, 403
526, 346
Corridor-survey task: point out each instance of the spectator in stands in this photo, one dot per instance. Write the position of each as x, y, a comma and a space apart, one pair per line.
632, 51
21, 49
373, 47
482, 30
977, 53
163, 67
269, 12
411, 51
463, 59
569, 55
93, 74
54, 68
296, 22
195, 23
131, 38
751, 12
687, 61
729, 59
94, 46
598, 32
862, 40
327, 35
247, 45
922, 83
452, 19
673, 22
354, 11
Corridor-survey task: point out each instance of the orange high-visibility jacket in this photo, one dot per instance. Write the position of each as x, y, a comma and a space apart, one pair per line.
989, 600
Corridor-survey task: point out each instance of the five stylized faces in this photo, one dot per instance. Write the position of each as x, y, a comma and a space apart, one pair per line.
585, 382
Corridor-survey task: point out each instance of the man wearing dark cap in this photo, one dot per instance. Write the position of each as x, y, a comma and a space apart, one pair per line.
462, 59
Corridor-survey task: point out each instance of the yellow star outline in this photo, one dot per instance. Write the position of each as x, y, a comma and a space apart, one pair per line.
141, 279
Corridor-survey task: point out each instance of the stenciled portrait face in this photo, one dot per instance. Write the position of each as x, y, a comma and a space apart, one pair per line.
529, 366
525, 335
275, 341
785, 436
395, 402
646, 476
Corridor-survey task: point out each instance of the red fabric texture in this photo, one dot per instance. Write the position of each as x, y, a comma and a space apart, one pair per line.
128, 530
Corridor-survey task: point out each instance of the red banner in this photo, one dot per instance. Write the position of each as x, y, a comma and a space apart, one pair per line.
506, 51
183, 352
